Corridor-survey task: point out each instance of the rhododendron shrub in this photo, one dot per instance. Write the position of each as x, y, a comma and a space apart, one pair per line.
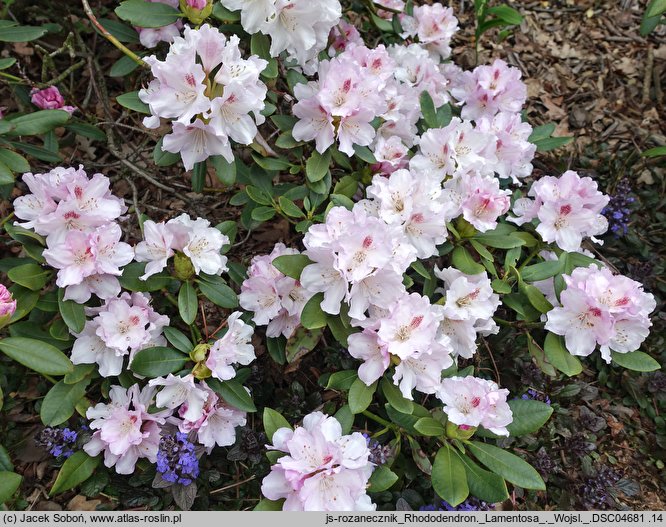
413, 235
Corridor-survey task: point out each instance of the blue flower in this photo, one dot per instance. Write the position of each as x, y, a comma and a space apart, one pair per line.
176, 460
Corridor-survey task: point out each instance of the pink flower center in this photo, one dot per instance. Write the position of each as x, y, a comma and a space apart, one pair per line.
475, 402
78, 192
367, 242
565, 209
416, 321
71, 215
346, 86
189, 78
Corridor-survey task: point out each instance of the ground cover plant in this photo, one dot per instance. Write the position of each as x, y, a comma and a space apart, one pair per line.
311, 255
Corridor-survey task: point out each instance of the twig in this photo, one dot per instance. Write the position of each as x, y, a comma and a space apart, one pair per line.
492, 358
647, 77
108, 36
233, 485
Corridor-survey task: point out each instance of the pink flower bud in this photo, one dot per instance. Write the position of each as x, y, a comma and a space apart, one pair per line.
50, 99
7, 302
197, 4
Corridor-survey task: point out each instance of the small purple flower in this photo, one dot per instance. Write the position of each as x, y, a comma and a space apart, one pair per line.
470, 504
535, 396
58, 441
618, 211
379, 453
176, 460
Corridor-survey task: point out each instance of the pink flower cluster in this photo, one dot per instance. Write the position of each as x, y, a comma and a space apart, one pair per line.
276, 300
470, 402
496, 145
409, 333
299, 27
50, 99
469, 306
358, 259
568, 209
121, 327
77, 215
209, 93
322, 470
434, 25
7, 302
601, 308
198, 409
152, 36
124, 429
235, 347
488, 90
195, 239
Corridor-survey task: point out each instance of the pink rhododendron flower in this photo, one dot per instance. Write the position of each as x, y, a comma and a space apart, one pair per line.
360, 270
468, 297
196, 239
50, 99
484, 202
177, 391
299, 27
490, 89
7, 302
121, 327
435, 26
598, 307
276, 300
322, 470
368, 347
124, 430
568, 209
470, 401
234, 347
217, 423
342, 36
204, 118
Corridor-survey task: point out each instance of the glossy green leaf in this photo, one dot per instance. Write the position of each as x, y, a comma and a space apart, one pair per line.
464, 262
233, 393
74, 471
382, 478
39, 122
507, 465
158, 361
187, 303
636, 361
131, 100
9, 484
360, 395
557, 354
342, 380
178, 339
60, 402
317, 165
36, 355
528, 416
291, 265
429, 427
21, 33
147, 14
32, 276
395, 398
220, 294
312, 316
482, 483
449, 478
273, 421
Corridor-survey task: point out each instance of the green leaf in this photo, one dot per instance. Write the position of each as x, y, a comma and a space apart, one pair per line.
536, 297
59, 404
429, 427
540, 357
317, 165
158, 361
483, 484
511, 467
273, 421
499, 286
312, 316
269, 505
37, 152
291, 265
655, 8
271, 163
75, 470
655, 152
15, 162
464, 262
21, 33
395, 398
32, 276
225, 15
187, 303
86, 130
342, 380
37, 123
26, 300
131, 99
9, 484
219, 294
80, 372
551, 143
302, 342
7, 63
557, 354
260, 45
147, 14
507, 14
130, 278
5, 461
346, 418
347, 186
360, 395
541, 132
636, 361
122, 32
382, 478
6, 175
449, 478
428, 110
36, 355
499, 241
178, 339
542, 271
163, 158
199, 171
276, 349
258, 195
225, 171
290, 208
528, 416
364, 153
233, 393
